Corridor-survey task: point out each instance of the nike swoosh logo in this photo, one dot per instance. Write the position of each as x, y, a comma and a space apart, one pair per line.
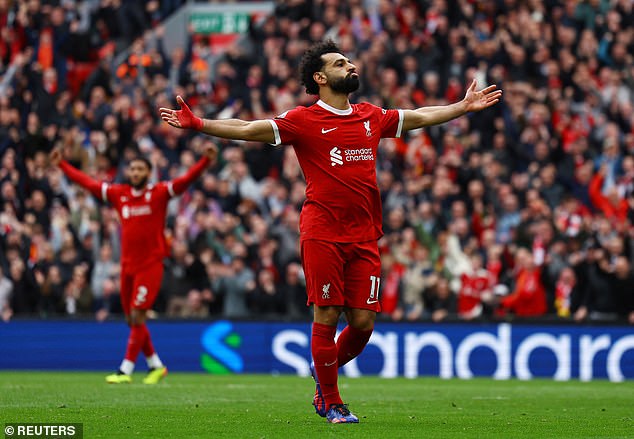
325, 131
370, 302
330, 364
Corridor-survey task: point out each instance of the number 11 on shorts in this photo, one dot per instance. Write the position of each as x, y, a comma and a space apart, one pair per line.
375, 282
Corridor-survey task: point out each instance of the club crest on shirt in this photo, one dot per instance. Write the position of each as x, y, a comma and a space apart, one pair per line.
368, 131
326, 291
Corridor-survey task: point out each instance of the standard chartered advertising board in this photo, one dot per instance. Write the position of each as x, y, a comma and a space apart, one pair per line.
501, 351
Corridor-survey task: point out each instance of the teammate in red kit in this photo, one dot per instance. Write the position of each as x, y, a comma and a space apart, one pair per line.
336, 145
142, 209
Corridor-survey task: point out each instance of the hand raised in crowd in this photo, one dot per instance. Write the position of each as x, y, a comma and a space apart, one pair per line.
55, 157
603, 169
211, 152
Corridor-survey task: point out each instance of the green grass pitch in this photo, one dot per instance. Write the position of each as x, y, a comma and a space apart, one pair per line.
262, 406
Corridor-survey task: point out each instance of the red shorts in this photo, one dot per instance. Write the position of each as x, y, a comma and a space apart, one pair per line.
139, 289
342, 274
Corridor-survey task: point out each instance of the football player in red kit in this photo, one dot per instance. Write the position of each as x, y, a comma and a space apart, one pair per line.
336, 144
142, 208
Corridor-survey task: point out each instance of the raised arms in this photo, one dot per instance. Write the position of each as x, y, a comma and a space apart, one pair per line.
236, 129
262, 130
209, 158
99, 189
472, 102
95, 187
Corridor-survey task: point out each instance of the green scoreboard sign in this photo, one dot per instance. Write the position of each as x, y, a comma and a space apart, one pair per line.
220, 22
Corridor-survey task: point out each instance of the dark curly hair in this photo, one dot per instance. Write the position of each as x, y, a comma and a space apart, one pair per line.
312, 62
141, 158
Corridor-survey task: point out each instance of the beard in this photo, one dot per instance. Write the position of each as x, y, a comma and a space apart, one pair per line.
140, 184
345, 85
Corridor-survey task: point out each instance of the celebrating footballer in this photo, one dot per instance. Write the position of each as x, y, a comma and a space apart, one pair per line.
341, 221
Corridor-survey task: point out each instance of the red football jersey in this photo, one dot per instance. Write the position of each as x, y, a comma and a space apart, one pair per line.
470, 295
337, 151
142, 214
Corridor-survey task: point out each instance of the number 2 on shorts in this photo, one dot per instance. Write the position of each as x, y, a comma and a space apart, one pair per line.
140, 295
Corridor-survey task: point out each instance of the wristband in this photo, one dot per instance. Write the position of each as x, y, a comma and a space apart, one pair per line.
197, 123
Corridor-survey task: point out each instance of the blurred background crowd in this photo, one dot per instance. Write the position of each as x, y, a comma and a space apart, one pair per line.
523, 210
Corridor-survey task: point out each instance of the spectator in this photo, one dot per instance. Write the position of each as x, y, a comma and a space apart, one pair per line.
440, 301
235, 283
600, 299
110, 300
611, 204
549, 188
419, 277
528, 298
6, 291
624, 286
564, 292
77, 293
194, 306
267, 298
391, 291
476, 290
294, 288
104, 274
176, 281
610, 160
51, 291
25, 290
508, 219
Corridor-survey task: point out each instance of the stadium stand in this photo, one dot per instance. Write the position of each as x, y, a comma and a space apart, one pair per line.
521, 211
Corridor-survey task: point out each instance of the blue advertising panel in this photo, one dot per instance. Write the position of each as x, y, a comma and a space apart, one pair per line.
500, 351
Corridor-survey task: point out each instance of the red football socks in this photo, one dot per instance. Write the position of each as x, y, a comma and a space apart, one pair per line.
136, 340
148, 347
350, 343
324, 353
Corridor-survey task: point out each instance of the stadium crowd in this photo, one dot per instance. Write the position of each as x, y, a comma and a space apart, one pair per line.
524, 210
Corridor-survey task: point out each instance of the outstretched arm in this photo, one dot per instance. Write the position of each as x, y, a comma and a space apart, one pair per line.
97, 188
181, 183
473, 101
236, 129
